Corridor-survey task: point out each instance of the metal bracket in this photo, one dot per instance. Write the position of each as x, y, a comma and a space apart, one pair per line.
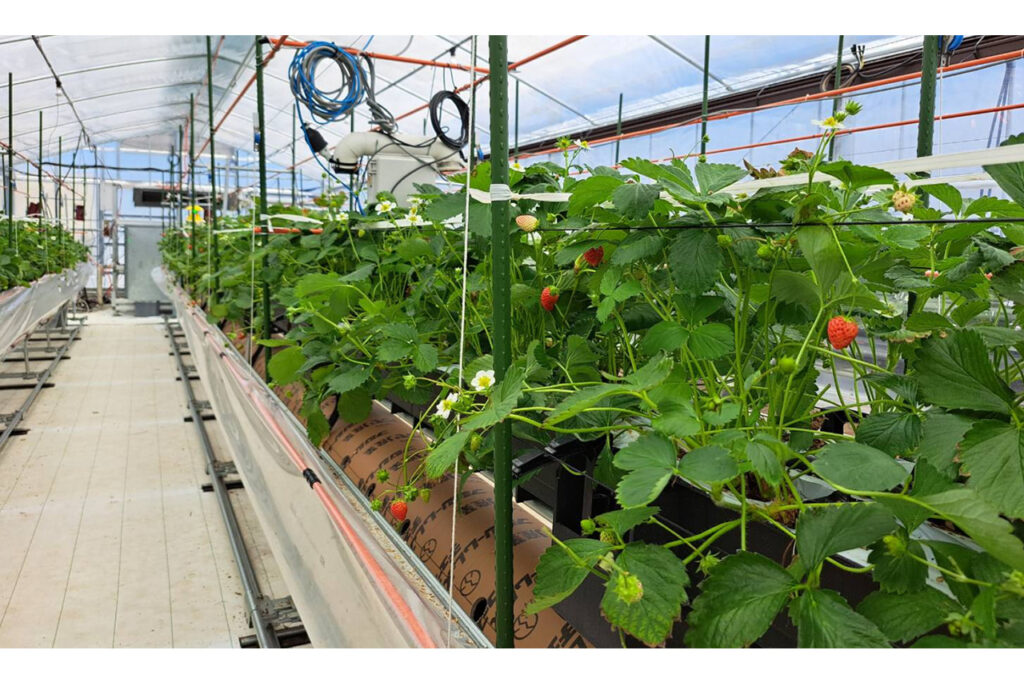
277, 612
223, 469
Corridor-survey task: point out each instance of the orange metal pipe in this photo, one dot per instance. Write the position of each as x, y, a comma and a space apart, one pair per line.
395, 58
1002, 57
511, 67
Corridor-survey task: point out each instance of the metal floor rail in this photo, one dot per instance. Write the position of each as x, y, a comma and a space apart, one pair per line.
264, 612
68, 334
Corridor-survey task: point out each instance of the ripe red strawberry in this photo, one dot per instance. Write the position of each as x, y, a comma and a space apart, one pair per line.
399, 509
841, 331
594, 256
548, 298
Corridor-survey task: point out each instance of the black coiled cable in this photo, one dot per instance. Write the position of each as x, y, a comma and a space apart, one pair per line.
436, 102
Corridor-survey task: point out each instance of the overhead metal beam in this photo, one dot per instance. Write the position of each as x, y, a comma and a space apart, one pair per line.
530, 85
60, 86
104, 67
697, 65
90, 98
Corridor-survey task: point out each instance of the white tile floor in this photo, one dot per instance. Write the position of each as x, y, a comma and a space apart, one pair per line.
106, 538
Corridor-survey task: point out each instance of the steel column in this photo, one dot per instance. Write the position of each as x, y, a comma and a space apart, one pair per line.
262, 207
212, 235
39, 179
191, 183
704, 101
501, 278
293, 157
835, 102
926, 112
10, 157
618, 129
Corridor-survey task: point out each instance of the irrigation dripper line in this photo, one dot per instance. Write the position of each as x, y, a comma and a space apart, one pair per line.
847, 223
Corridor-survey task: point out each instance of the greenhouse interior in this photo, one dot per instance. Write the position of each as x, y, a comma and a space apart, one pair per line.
490, 341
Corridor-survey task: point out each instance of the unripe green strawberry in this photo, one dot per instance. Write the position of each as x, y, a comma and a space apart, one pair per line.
587, 526
903, 201
409, 381
609, 537
361, 233
787, 365
425, 494
708, 562
475, 441
764, 252
628, 588
527, 223
383, 475
377, 505
894, 545
724, 241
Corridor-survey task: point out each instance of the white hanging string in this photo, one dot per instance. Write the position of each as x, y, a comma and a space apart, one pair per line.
462, 337
252, 286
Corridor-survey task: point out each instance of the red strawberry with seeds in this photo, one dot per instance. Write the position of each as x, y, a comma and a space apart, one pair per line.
399, 509
594, 256
548, 298
841, 331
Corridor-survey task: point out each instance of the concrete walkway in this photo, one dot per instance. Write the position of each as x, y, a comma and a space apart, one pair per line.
106, 538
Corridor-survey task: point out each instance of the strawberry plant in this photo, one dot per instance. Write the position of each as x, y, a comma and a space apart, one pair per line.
846, 333
35, 253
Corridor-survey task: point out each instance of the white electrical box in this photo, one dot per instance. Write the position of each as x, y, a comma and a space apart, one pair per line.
398, 174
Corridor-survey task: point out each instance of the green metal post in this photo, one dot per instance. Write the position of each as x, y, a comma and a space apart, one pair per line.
212, 240
517, 117
39, 178
351, 194
835, 102
191, 182
501, 279
293, 157
618, 129
704, 101
926, 112
57, 198
10, 157
71, 172
262, 149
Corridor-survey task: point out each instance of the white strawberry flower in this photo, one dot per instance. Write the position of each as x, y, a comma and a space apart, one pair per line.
415, 219
444, 408
518, 167
385, 206
483, 380
415, 202
829, 123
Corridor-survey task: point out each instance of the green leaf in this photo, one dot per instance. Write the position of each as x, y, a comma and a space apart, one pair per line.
1009, 176
414, 248
822, 532
708, 464
956, 373
795, 287
559, 573
899, 572
664, 579
824, 620
892, 432
819, 247
424, 357
711, 341
999, 337
315, 283
858, 467
947, 194
354, 406
650, 460
634, 200
624, 520
993, 457
650, 375
765, 461
981, 521
713, 177
285, 365
738, 601
665, 336
857, 176
349, 379
635, 247
676, 419
923, 321
594, 190
581, 400
443, 455
695, 260
941, 435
